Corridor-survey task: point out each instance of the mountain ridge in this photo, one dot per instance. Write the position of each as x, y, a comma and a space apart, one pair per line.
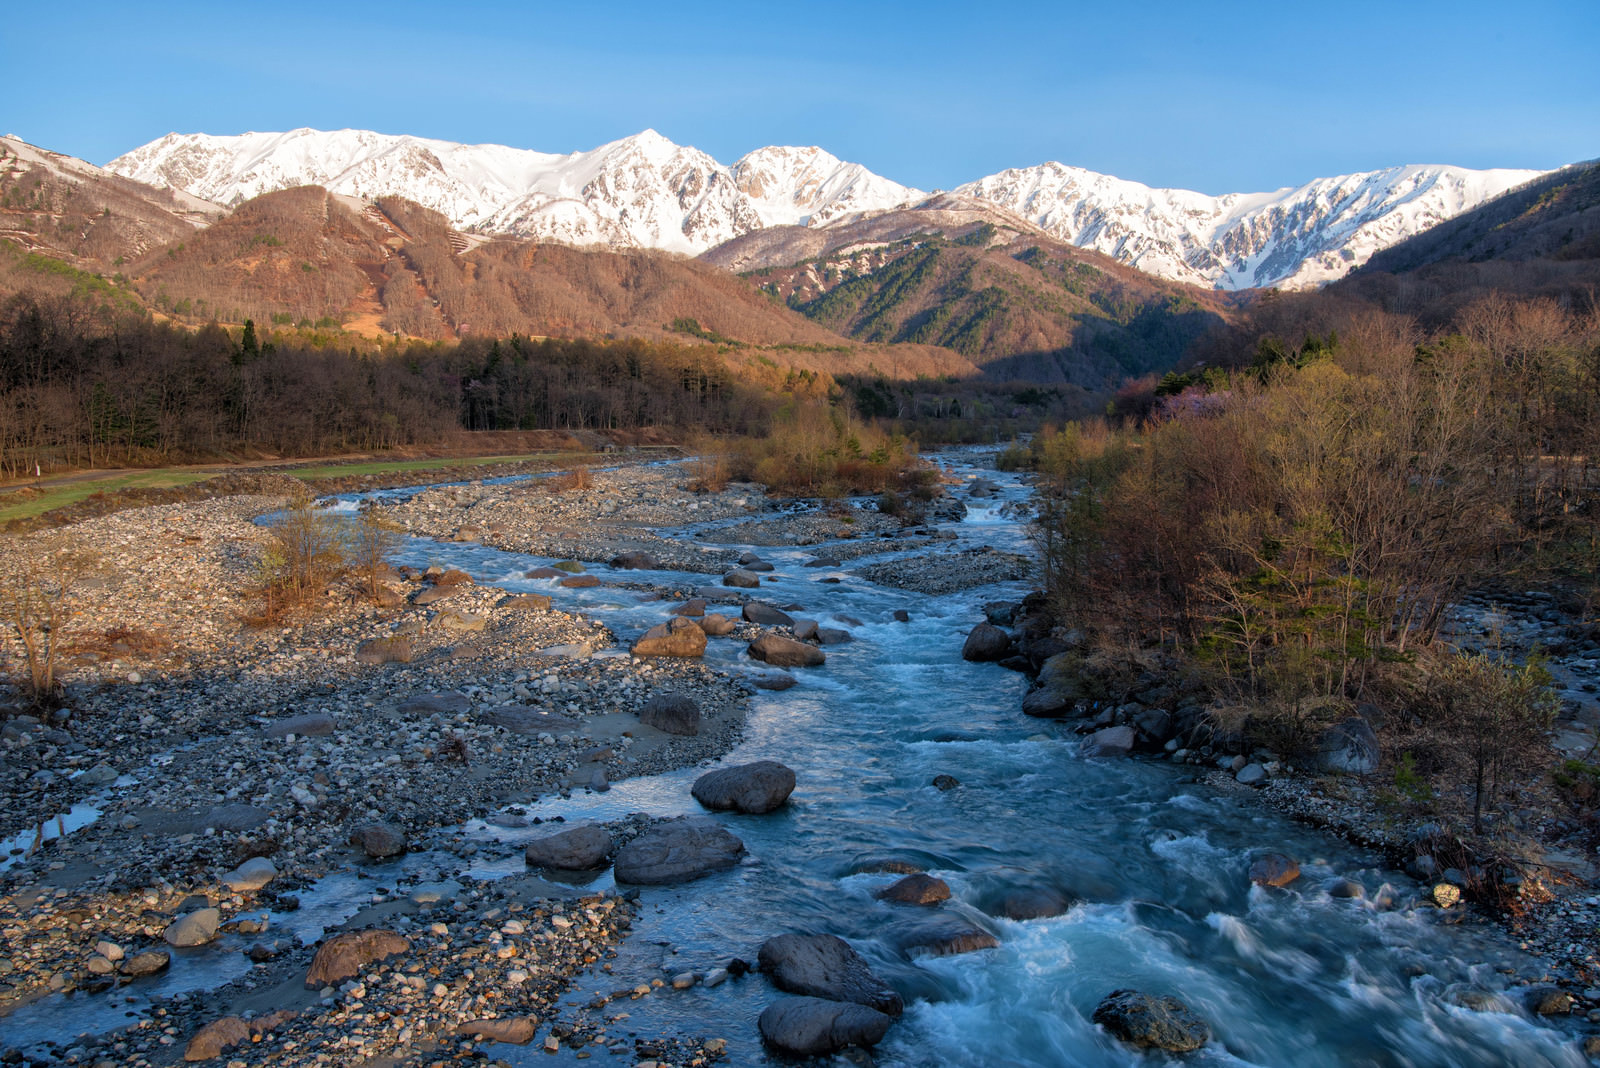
644, 191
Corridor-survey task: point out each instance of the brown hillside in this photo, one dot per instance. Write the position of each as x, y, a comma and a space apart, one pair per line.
79, 216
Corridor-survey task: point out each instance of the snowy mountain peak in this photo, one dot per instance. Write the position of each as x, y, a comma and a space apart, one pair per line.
646, 191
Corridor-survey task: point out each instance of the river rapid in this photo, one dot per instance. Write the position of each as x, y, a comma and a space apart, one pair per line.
1155, 862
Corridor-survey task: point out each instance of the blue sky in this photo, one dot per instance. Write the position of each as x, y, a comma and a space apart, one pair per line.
1212, 96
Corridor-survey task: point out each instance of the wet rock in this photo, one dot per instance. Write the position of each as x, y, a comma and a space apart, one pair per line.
148, 962
833, 636
774, 680
743, 579
786, 652
571, 567
945, 782
1349, 746
752, 788
677, 851
544, 573
343, 956
396, 650
215, 1038
193, 929
579, 582
1348, 889
253, 874
810, 1027
1148, 1022
918, 889
823, 561
677, 637
316, 724
825, 966
942, 936
1547, 1001
378, 840
763, 614
576, 849
902, 616
717, 625
1109, 742
986, 642
1048, 704
1032, 904
514, 1030
804, 629
674, 713
635, 561
694, 608
1274, 869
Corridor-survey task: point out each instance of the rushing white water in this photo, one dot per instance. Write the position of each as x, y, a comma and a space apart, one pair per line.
1156, 863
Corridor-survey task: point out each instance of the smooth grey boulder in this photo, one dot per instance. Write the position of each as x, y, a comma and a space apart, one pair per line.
674, 713
677, 851
149, 962
811, 1027
253, 874
193, 929
825, 966
786, 652
752, 788
805, 629
1150, 1022
763, 614
1109, 742
986, 642
1350, 747
1032, 904
739, 578
833, 636
576, 849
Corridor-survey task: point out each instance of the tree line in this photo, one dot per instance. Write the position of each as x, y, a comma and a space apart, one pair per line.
85, 384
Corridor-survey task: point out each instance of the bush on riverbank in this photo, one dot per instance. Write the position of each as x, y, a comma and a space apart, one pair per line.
1298, 529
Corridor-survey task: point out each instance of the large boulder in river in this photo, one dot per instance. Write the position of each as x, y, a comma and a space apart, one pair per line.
918, 889
676, 637
716, 625
576, 849
194, 928
677, 851
779, 651
1274, 869
814, 1027
824, 966
344, 956
942, 936
986, 642
675, 713
763, 614
1150, 1022
1109, 742
742, 579
1349, 746
754, 788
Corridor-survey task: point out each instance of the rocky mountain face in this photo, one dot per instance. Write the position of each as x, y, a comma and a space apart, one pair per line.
646, 192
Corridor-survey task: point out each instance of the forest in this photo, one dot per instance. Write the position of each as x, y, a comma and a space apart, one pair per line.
86, 384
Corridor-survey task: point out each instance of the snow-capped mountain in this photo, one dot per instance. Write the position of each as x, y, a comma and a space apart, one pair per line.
1291, 238
644, 191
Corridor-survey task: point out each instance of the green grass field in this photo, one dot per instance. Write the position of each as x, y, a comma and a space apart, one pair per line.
13, 507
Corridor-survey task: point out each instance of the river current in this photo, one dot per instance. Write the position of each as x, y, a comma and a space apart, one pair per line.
1156, 863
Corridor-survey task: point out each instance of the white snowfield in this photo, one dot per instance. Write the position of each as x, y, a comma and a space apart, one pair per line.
646, 192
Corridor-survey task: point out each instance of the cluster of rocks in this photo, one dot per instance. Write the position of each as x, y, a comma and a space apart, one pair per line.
940, 573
